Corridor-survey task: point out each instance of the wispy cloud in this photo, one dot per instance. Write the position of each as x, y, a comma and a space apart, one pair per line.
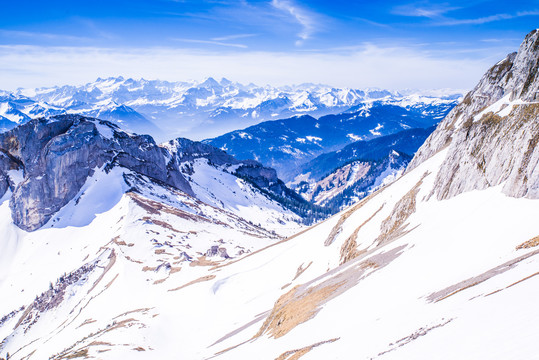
438, 13
211, 42
302, 16
428, 11
233, 37
370, 22
501, 40
42, 35
487, 19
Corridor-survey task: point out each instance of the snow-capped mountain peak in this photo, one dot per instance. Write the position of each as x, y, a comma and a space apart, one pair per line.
184, 108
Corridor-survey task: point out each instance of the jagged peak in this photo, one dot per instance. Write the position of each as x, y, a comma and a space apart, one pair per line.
209, 82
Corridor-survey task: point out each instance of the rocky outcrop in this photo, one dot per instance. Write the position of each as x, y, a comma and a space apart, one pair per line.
491, 88
7, 163
187, 150
57, 156
492, 135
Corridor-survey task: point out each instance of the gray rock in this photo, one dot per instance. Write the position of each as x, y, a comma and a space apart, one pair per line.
59, 154
492, 149
7, 163
215, 250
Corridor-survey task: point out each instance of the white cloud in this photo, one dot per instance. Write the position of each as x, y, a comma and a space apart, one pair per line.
431, 12
305, 19
211, 42
366, 66
233, 37
42, 35
487, 19
437, 13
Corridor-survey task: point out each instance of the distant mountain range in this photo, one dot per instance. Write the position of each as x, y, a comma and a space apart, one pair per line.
286, 145
320, 120
199, 110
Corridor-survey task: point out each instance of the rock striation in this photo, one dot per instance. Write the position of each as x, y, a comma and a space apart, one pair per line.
492, 135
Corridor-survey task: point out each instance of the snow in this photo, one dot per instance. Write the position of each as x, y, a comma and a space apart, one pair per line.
101, 192
375, 131
223, 190
16, 176
105, 130
496, 107
450, 241
354, 137
400, 298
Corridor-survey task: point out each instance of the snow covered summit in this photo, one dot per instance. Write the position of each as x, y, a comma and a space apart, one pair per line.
196, 110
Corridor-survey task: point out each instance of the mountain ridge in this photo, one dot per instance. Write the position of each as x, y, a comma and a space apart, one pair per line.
185, 109
508, 91
46, 162
287, 144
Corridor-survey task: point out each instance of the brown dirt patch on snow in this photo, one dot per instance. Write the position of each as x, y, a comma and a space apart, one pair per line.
303, 302
529, 244
202, 261
298, 353
468, 283
349, 248
200, 279
395, 225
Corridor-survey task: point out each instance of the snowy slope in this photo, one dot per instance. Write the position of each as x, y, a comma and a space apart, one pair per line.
404, 291
170, 231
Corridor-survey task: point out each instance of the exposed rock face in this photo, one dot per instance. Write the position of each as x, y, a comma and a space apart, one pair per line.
217, 251
493, 134
59, 154
6, 164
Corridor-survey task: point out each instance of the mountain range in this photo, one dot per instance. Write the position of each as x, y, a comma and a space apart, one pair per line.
161, 108
287, 144
196, 110
116, 247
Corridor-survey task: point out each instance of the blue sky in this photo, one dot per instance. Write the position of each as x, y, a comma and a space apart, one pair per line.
390, 44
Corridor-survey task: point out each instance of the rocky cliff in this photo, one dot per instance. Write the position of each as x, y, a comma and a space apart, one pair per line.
56, 157
491, 137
